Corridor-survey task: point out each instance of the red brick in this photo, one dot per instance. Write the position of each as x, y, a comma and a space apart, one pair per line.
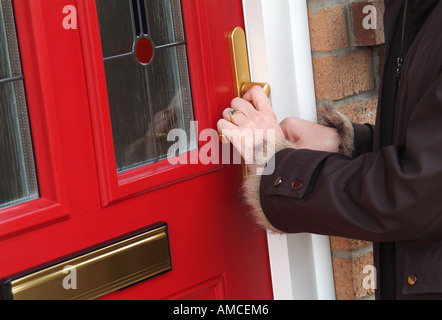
358, 265
327, 29
362, 25
360, 111
337, 77
343, 276
339, 243
349, 277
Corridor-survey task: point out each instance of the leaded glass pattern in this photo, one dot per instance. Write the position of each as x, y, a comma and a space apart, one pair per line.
149, 95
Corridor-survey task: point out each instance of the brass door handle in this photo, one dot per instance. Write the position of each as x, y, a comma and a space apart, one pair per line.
240, 64
246, 86
240, 69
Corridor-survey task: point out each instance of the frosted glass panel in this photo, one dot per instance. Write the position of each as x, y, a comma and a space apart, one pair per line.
145, 59
18, 179
165, 22
171, 103
115, 26
10, 59
130, 114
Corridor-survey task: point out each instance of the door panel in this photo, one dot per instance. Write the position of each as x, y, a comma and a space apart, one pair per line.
216, 251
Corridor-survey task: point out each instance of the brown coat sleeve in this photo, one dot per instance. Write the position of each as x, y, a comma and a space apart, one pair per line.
388, 195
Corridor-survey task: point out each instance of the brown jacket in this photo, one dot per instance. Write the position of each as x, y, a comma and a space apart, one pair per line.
386, 185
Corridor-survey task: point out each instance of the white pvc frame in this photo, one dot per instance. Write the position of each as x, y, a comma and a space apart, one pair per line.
279, 53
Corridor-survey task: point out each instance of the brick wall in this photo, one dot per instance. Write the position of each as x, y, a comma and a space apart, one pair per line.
347, 48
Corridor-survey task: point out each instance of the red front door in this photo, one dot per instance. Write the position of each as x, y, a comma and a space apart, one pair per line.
105, 82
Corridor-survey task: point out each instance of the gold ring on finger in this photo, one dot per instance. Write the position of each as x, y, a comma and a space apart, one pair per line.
233, 112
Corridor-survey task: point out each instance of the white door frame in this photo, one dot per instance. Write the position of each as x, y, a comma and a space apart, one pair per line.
279, 54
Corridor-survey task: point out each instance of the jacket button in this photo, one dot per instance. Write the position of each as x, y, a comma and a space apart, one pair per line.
297, 184
277, 182
412, 279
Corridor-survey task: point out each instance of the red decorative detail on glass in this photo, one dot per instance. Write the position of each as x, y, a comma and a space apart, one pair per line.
144, 51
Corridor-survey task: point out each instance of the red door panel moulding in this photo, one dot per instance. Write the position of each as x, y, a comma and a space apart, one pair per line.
212, 289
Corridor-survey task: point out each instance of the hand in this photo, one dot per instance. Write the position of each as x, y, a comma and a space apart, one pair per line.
310, 135
253, 125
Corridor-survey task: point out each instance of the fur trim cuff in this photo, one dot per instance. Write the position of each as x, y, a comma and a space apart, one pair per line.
343, 125
251, 186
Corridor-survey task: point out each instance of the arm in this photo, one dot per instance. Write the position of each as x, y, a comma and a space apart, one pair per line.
389, 195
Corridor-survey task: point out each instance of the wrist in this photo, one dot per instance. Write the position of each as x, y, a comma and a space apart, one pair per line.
343, 131
264, 152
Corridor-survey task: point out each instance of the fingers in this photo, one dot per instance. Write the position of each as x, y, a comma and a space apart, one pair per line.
225, 128
244, 106
235, 116
246, 111
258, 98
243, 114
240, 139
225, 125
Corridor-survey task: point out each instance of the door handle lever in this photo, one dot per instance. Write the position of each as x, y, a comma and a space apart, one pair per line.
240, 64
240, 70
246, 86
